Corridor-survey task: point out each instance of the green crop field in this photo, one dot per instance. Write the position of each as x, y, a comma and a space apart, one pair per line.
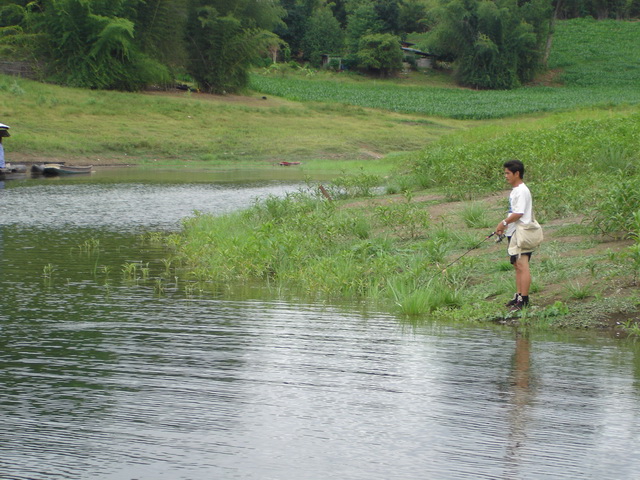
600, 65
594, 53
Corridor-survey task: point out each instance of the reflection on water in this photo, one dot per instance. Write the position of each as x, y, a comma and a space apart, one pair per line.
121, 199
104, 378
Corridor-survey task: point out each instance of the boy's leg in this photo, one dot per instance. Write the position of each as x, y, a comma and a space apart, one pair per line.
523, 275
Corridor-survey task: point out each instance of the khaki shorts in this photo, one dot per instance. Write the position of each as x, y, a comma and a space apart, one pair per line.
514, 258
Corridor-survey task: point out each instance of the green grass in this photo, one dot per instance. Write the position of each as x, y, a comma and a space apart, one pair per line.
597, 53
476, 215
446, 102
170, 128
392, 251
568, 166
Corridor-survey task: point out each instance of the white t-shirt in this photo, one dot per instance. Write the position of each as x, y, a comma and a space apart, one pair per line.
520, 202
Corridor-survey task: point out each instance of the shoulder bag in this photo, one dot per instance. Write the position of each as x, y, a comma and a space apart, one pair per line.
529, 236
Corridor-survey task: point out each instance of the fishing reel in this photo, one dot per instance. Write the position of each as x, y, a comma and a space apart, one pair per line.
500, 237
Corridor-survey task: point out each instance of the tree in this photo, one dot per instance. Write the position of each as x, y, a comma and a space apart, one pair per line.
11, 14
362, 20
95, 50
380, 53
495, 44
412, 16
323, 35
224, 36
160, 28
388, 11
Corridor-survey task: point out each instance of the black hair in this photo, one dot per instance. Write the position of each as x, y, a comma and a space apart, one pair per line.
515, 166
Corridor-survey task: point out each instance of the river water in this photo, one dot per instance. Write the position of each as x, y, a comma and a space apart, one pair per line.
104, 376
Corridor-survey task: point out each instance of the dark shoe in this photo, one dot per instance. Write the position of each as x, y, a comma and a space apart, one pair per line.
517, 307
513, 301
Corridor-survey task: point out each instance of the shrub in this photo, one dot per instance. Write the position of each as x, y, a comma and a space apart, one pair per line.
616, 214
96, 51
380, 53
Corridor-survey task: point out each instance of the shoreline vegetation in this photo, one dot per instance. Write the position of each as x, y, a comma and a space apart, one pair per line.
394, 249
414, 192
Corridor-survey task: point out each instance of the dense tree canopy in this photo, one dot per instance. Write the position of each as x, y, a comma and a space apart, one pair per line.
492, 43
323, 35
129, 44
223, 36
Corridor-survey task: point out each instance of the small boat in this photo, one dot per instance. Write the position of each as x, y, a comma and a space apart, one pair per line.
58, 169
38, 168
10, 172
287, 164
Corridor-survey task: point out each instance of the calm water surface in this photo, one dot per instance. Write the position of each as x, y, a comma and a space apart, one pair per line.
103, 377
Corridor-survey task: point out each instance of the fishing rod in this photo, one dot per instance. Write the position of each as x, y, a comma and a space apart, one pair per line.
492, 234
500, 237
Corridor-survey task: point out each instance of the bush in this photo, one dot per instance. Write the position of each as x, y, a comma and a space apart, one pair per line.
498, 45
380, 53
95, 51
616, 214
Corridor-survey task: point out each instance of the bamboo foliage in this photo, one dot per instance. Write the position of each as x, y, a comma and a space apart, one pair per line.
223, 40
160, 26
95, 50
494, 44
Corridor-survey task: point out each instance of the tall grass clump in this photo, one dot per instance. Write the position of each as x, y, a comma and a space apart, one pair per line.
475, 215
413, 300
308, 244
277, 239
633, 251
616, 213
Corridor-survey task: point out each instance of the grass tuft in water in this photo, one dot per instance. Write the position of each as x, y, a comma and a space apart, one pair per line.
413, 300
48, 269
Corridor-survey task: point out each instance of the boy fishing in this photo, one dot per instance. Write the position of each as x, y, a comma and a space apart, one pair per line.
520, 211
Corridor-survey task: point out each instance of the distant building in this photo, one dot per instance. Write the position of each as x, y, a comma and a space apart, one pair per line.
332, 61
20, 69
421, 60
412, 56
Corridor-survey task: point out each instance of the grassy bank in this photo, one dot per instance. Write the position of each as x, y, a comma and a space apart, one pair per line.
441, 177
396, 249
172, 128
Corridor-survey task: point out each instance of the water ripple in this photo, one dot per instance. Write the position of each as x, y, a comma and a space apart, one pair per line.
102, 379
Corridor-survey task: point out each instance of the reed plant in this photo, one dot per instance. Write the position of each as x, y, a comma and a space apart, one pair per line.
130, 270
48, 269
413, 300
409, 220
89, 246
475, 215
579, 291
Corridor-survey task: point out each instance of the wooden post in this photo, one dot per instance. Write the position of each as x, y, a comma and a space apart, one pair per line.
325, 193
